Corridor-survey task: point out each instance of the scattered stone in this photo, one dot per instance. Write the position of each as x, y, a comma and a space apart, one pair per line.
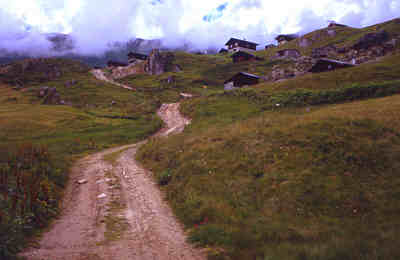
304, 43
83, 181
169, 80
43, 92
52, 97
371, 39
287, 53
101, 196
331, 33
185, 95
113, 103
177, 68
323, 52
70, 83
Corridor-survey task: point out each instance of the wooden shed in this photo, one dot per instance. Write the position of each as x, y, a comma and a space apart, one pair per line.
323, 65
240, 79
244, 56
134, 56
235, 45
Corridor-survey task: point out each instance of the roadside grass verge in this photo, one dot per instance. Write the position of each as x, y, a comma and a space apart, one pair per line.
38, 143
288, 184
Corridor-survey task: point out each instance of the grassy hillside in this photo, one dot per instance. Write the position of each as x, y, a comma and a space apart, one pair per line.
298, 169
343, 37
39, 142
304, 168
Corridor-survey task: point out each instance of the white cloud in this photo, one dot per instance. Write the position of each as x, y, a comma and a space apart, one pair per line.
97, 22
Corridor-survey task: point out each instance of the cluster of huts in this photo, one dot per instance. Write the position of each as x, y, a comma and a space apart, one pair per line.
243, 49
132, 58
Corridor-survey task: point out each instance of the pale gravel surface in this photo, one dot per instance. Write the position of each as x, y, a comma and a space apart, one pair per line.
152, 232
99, 74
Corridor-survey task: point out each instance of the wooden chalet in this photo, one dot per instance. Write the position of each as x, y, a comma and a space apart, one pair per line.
241, 79
244, 56
112, 63
134, 56
323, 65
223, 50
235, 45
284, 38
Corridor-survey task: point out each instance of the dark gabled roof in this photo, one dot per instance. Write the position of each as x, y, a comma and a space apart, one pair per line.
336, 61
249, 75
233, 40
242, 73
287, 37
336, 24
137, 55
319, 65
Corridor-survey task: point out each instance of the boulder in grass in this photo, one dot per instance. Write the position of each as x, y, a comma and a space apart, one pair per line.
371, 39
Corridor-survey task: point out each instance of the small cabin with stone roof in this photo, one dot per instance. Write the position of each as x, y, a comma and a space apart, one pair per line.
244, 56
235, 45
241, 79
323, 65
133, 57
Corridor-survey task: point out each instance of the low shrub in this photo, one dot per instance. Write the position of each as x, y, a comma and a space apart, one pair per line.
29, 195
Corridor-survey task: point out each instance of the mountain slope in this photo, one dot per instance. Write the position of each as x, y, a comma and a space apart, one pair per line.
298, 169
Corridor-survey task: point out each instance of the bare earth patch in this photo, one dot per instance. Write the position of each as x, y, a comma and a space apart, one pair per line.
99, 74
117, 212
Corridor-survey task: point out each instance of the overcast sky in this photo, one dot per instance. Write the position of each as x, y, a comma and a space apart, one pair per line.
205, 23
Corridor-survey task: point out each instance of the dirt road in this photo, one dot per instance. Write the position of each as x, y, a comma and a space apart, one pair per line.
114, 210
99, 74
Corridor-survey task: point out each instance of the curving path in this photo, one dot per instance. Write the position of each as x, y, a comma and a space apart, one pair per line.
112, 209
99, 74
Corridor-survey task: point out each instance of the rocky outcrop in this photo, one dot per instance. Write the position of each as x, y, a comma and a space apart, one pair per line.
131, 69
287, 54
159, 63
370, 40
301, 66
50, 95
362, 55
323, 52
323, 34
304, 42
